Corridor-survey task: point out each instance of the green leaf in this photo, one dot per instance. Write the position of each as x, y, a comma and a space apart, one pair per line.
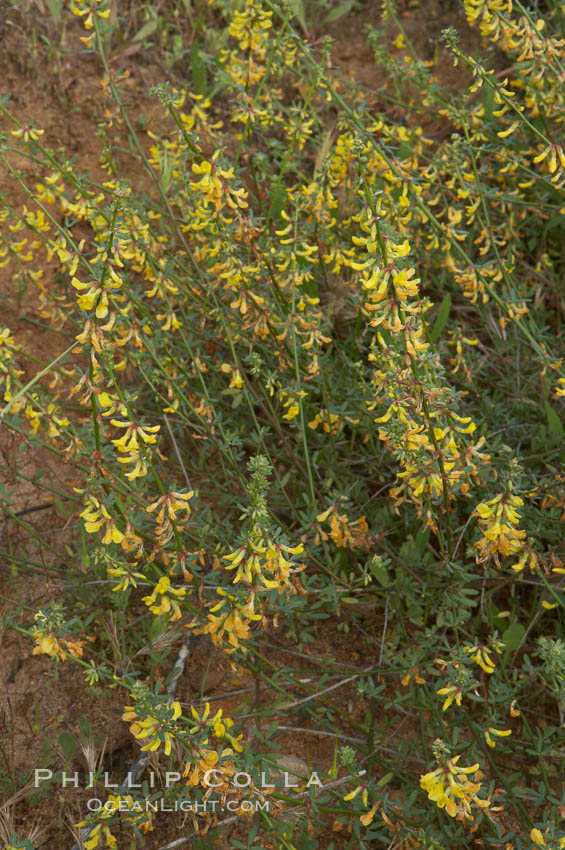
297, 9
556, 221
380, 572
60, 507
513, 636
421, 540
338, 12
488, 102
199, 75
84, 726
441, 318
134, 45
55, 9
68, 743
404, 150
146, 30
277, 201
157, 627
166, 171
553, 421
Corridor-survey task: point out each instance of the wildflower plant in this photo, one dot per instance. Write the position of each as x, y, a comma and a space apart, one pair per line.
312, 386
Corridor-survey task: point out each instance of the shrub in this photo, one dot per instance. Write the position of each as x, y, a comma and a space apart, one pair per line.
314, 382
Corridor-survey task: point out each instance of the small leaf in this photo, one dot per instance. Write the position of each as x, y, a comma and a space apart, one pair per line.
421, 540
488, 102
556, 221
134, 45
441, 318
60, 507
68, 743
146, 30
278, 200
84, 726
338, 12
166, 171
297, 9
553, 421
513, 636
381, 574
157, 627
199, 75
55, 9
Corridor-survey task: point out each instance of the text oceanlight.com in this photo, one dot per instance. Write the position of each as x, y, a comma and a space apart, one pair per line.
196, 807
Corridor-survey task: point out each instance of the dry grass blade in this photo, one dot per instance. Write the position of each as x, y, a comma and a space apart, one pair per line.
161, 642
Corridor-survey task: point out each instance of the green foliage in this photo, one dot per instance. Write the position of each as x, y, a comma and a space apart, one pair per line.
312, 386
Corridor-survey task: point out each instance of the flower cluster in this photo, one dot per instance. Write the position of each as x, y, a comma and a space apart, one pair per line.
450, 787
263, 569
53, 636
498, 518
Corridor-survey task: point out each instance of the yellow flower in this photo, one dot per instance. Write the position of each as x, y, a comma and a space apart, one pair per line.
88, 12
367, 818
498, 519
405, 287
501, 733
355, 792
233, 623
346, 533
48, 644
279, 565
449, 788
170, 503
217, 723
556, 157
481, 655
293, 410
140, 466
329, 421
167, 602
129, 441
96, 516
96, 293
126, 575
503, 134
157, 732
452, 694
28, 133
408, 676
236, 381
214, 187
